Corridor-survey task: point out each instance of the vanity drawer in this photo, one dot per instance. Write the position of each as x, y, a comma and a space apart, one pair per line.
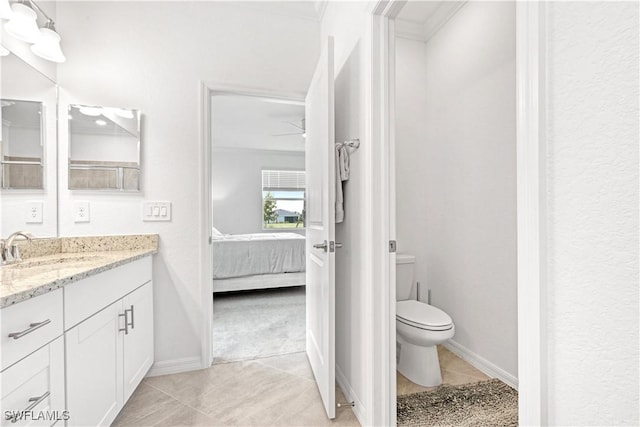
33, 323
35, 383
86, 297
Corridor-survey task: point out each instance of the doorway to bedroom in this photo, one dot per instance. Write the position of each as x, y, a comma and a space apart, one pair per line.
258, 235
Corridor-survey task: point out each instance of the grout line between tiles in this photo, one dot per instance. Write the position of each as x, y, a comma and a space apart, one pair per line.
179, 400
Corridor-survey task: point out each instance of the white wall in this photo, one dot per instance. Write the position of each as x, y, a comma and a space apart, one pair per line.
411, 152
592, 203
456, 174
237, 186
152, 56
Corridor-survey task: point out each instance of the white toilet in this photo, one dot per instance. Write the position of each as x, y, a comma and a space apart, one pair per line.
419, 328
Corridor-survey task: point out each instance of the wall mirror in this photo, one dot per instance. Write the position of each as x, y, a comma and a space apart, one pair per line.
28, 149
21, 144
104, 148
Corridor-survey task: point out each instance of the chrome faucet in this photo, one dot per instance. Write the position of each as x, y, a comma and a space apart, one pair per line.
10, 251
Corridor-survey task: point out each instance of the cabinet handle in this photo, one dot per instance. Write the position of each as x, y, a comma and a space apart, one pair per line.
32, 327
35, 402
126, 323
131, 311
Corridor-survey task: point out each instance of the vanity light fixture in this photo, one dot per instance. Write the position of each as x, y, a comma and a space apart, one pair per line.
48, 46
91, 111
23, 26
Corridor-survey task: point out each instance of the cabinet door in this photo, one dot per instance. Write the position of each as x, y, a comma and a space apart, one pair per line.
35, 382
94, 368
138, 343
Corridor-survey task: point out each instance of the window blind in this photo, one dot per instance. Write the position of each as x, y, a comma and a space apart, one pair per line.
273, 180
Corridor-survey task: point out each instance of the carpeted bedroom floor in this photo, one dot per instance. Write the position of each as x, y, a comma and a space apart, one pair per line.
256, 324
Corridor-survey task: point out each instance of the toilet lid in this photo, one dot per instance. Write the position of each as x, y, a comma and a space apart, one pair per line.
422, 315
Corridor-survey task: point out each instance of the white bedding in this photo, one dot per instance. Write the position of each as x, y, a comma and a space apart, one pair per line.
238, 255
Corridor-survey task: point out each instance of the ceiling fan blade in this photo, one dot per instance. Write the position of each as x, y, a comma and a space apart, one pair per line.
288, 134
300, 128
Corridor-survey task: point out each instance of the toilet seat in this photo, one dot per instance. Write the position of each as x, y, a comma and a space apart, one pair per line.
423, 316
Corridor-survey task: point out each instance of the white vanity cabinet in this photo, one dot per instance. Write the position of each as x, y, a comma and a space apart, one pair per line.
73, 356
108, 352
35, 385
32, 362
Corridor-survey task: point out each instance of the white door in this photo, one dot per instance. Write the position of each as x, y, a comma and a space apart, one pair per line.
138, 342
320, 225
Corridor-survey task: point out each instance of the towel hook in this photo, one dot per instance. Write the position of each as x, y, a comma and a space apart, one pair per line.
351, 143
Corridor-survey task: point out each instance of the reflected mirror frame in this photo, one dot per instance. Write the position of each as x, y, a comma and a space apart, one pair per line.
43, 140
119, 178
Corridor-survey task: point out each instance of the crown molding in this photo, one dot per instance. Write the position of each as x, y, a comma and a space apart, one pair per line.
321, 7
426, 30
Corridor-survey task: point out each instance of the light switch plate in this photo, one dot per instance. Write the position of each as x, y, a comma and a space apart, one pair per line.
81, 212
156, 211
34, 213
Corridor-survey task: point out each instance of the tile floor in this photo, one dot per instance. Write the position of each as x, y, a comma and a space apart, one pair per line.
273, 391
455, 371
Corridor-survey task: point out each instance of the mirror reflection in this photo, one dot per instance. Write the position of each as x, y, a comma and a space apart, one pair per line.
21, 144
28, 149
104, 148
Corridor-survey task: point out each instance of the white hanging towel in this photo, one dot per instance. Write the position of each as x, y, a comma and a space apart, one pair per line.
342, 166
345, 163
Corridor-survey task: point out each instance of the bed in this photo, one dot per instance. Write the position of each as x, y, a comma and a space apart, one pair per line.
257, 261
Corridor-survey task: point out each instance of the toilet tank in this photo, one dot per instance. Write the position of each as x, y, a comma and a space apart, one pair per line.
404, 275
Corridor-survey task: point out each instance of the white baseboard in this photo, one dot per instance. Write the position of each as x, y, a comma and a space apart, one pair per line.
175, 366
358, 409
481, 363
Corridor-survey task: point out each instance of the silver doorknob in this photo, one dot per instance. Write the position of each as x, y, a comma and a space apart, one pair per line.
322, 246
338, 245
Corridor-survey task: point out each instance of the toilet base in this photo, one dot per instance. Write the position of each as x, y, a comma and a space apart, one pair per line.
420, 364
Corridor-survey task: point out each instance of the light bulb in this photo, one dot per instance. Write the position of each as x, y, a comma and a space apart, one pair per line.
48, 46
22, 24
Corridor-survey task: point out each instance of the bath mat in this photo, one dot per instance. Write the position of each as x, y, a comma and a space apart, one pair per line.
486, 403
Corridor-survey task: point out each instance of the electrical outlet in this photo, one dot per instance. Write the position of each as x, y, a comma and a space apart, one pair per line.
34, 213
81, 210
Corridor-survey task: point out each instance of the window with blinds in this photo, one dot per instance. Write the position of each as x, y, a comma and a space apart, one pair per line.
283, 180
283, 199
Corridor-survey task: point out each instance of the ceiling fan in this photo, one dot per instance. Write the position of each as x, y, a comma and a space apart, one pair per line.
300, 130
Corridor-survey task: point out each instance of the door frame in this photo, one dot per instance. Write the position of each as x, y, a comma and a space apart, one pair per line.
207, 90
531, 208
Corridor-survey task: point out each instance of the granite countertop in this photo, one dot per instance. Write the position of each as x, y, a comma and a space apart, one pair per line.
53, 263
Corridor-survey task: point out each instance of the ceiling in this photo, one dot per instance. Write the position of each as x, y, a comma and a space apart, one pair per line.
421, 19
113, 125
246, 122
418, 11
24, 114
312, 10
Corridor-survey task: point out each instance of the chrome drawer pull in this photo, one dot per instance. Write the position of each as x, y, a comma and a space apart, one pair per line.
126, 323
36, 401
131, 311
32, 327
